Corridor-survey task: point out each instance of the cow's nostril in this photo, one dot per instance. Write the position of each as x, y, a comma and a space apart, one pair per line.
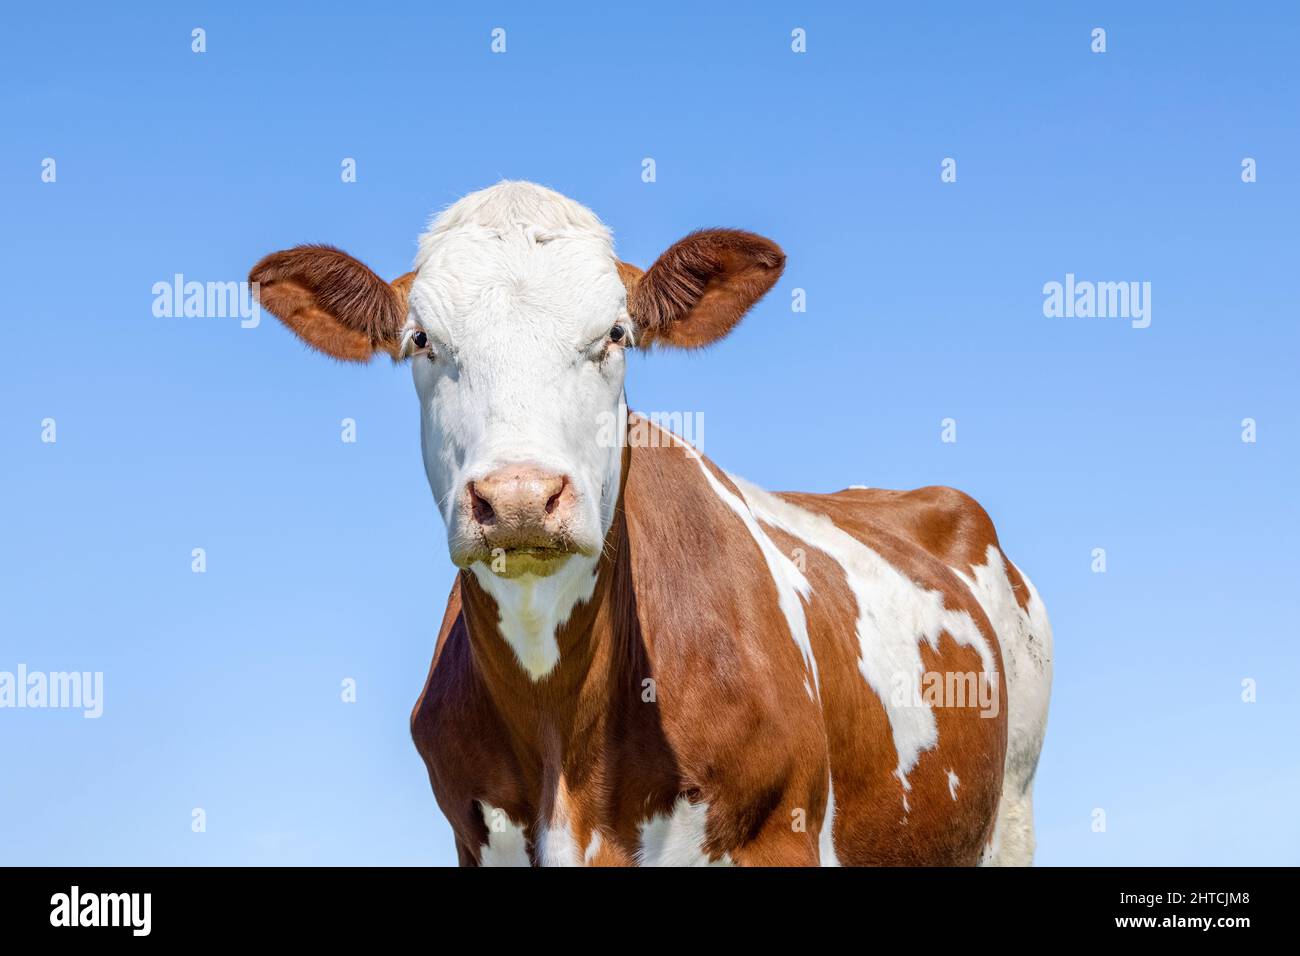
483, 512
553, 502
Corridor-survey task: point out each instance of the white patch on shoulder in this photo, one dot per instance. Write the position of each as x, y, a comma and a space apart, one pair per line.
677, 838
533, 609
953, 782
791, 585
859, 487
507, 844
894, 616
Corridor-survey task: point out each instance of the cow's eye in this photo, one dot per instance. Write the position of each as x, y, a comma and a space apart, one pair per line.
417, 343
616, 333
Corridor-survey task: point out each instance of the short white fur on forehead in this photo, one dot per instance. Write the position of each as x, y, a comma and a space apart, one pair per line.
513, 208
519, 255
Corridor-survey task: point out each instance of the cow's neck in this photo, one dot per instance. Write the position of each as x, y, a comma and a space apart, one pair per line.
552, 680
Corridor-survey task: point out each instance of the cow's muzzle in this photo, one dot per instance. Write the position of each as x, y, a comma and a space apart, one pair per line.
517, 520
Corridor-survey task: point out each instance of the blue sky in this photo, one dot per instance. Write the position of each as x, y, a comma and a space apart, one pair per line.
327, 560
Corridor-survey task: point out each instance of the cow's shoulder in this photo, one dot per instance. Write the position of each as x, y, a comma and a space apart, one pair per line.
715, 602
712, 594
459, 735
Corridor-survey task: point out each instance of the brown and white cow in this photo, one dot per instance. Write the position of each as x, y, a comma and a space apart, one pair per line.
645, 659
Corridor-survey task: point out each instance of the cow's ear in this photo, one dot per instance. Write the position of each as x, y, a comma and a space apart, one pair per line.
697, 291
333, 302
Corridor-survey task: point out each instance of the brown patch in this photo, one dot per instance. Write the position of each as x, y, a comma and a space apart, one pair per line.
698, 290
332, 301
1018, 586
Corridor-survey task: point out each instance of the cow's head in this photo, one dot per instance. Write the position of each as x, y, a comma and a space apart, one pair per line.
515, 322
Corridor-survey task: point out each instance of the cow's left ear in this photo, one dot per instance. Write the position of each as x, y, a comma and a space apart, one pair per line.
698, 290
333, 302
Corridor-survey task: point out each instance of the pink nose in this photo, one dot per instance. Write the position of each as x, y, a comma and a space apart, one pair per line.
521, 506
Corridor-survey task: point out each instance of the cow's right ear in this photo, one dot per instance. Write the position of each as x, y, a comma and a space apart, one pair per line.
333, 302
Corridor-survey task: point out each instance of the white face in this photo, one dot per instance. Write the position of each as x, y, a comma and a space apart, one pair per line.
517, 294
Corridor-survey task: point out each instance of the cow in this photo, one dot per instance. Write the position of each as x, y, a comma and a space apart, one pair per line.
644, 659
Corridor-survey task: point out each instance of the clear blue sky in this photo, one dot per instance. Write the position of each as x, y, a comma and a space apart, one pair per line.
327, 560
